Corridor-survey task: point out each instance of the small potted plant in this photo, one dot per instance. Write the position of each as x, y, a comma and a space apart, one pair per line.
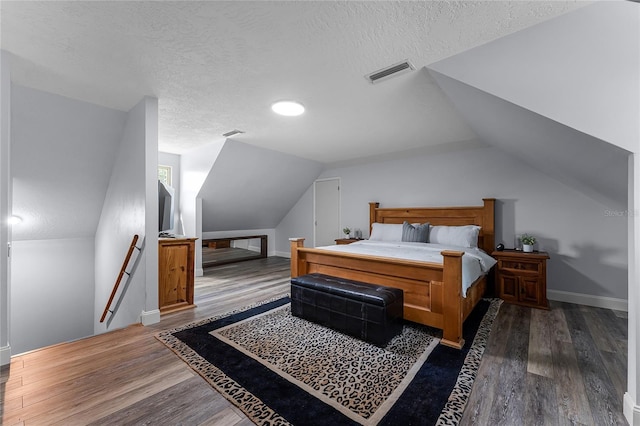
527, 242
347, 231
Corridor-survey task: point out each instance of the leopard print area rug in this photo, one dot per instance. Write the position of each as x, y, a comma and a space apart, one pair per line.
280, 369
354, 377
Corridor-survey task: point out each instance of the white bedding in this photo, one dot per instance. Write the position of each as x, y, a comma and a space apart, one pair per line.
475, 262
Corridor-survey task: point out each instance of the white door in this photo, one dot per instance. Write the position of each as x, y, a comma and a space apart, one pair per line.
327, 212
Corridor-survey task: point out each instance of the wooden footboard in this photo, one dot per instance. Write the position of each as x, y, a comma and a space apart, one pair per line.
432, 292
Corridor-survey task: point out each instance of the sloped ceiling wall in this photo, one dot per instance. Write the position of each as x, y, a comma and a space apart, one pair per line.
253, 188
62, 155
540, 95
580, 69
583, 162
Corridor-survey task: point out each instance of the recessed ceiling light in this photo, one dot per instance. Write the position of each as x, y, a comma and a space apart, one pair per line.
288, 108
14, 220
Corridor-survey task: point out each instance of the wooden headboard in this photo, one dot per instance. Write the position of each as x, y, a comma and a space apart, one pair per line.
483, 216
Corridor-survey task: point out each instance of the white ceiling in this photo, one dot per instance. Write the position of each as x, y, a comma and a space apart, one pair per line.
217, 66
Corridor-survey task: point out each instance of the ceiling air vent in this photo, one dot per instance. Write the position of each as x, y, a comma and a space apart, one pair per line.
390, 71
232, 133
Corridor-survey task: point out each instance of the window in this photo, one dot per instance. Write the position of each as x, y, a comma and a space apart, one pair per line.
164, 175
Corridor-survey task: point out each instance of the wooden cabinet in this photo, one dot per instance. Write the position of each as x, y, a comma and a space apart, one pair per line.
521, 278
176, 257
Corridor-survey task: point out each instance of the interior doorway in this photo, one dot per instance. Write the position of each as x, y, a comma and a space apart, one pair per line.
326, 211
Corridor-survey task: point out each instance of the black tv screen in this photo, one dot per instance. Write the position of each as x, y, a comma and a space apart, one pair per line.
165, 207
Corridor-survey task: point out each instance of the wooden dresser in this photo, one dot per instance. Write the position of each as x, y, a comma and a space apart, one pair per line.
176, 257
521, 278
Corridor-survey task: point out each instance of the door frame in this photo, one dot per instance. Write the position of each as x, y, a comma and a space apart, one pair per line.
339, 205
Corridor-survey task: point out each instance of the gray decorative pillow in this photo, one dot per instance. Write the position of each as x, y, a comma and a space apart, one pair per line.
415, 233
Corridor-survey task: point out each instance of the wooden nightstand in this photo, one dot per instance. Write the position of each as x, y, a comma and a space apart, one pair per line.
521, 278
341, 241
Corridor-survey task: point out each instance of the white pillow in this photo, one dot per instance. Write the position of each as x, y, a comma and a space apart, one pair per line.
463, 236
386, 232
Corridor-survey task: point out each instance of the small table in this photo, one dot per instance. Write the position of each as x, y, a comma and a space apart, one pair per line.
341, 241
521, 277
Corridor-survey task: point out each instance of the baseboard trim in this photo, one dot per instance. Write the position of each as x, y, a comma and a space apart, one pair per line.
199, 272
150, 317
5, 355
589, 300
630, 410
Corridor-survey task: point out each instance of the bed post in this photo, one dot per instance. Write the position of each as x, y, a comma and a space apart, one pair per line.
452, 303
372, 215
295, 243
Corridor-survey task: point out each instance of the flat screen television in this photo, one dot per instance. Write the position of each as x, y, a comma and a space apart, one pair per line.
165, 207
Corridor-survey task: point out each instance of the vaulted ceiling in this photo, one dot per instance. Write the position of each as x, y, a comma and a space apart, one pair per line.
217, 66
560, 96
553, 83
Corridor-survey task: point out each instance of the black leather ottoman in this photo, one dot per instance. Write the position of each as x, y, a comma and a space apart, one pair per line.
369, 312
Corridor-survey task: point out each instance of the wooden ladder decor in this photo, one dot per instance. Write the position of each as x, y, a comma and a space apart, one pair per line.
120, 275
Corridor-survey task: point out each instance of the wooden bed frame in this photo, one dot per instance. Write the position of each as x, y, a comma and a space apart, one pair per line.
432, 292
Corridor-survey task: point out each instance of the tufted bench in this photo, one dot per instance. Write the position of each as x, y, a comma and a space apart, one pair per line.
369, 312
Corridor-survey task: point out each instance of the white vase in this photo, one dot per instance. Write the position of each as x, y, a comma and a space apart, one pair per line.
527, 248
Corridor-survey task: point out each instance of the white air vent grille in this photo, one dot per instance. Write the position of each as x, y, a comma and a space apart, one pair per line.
232, 133
390, 71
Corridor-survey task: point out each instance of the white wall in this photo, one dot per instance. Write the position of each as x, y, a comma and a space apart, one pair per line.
127, 212
194, 169
62, 156
588, 246
52, 300
298, 223
173, 160
150, 314
631, 407
232, 198
579, 69
61, 161
587, 164
631, 411
5, 205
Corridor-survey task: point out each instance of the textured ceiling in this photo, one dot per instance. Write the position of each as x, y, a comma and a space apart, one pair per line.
217, 66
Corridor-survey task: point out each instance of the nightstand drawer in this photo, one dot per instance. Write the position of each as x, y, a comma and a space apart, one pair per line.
520, 266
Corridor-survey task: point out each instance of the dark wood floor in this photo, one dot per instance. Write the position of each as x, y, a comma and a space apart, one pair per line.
557, 367
566, 366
